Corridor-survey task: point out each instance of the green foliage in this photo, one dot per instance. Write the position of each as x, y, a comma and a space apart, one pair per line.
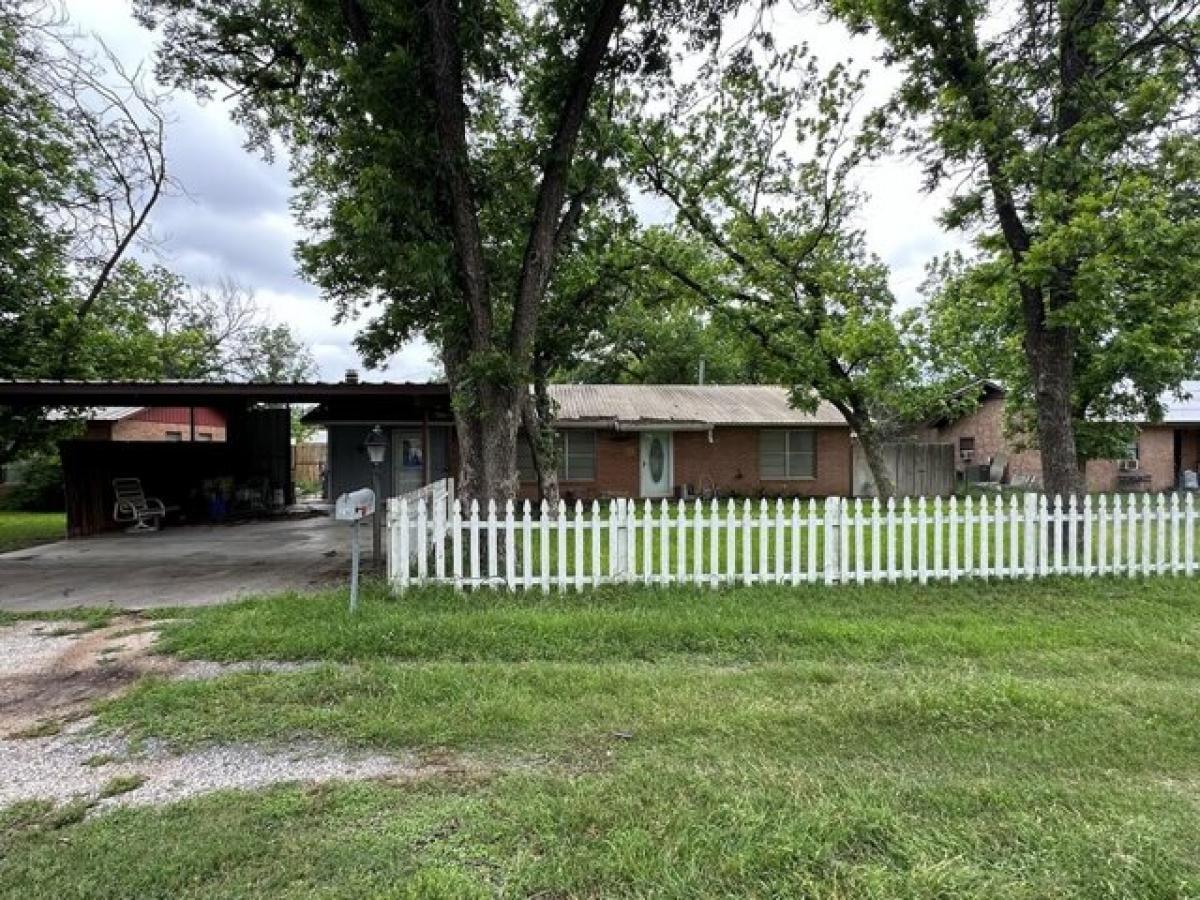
448, 159
757, 158
40, 488
1068, 132
38, 167
649, 341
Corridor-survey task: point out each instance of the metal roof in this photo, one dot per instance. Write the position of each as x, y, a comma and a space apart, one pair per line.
200, 393
684, 404
96, 413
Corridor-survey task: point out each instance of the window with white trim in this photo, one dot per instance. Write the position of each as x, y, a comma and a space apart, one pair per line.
787, 453
576, 456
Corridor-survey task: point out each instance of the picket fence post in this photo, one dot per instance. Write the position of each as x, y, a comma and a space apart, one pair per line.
833, 521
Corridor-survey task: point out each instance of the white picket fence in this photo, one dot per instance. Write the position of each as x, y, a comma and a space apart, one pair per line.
436, 499
791, 542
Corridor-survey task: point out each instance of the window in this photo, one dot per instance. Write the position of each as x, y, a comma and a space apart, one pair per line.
204, 436
576, 456
1131, 459
788, 454
966, 448
173, 436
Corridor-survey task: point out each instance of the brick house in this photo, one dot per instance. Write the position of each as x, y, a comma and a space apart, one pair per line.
146, 423
1155, 461
646, 441
650, 441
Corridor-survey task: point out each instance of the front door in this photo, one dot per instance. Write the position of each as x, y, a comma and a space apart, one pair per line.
408, 460
656, 464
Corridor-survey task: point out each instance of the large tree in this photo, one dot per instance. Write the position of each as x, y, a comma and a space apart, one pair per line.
1060, 125
82, 163
757, 161
444, 153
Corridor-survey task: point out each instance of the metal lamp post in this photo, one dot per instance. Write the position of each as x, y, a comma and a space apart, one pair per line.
376, 449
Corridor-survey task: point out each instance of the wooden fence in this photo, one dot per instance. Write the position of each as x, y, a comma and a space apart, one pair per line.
918, 470
308, 462
832, 542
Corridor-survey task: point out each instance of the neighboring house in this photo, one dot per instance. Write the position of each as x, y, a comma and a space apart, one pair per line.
1155, 461
142, 423
647, 441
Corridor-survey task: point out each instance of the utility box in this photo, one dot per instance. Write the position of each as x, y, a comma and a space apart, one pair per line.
355, 505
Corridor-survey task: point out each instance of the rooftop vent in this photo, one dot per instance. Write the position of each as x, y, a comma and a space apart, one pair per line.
352, 376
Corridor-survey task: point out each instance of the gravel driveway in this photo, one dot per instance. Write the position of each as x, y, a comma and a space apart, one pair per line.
52, 672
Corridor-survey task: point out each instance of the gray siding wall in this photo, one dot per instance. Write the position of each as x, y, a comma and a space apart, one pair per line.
349, 467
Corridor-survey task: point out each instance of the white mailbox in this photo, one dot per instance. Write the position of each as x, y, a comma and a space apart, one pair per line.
355, 505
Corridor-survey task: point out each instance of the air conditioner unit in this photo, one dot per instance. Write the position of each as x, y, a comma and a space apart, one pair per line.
1127, 465
966, 455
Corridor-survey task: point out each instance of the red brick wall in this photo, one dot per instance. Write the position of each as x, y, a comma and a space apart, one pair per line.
986, 424
1156, 455
134, 430
728, 465
1156, 448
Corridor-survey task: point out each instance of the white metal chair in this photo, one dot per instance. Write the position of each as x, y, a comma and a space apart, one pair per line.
134, 508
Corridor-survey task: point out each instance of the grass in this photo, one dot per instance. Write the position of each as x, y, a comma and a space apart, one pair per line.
19, 530
990, 740
121, 784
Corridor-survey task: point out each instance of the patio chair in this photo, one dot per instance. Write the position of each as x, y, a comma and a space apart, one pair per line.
134, 508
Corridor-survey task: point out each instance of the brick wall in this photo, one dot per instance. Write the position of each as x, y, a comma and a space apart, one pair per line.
1156, 449
1156, 458
729, 465
134, 430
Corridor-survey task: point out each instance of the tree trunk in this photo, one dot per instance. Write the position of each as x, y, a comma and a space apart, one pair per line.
486, 417
872, 445
538, 420
1050, 354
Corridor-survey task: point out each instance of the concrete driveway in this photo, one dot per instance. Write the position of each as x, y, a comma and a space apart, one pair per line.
183, 566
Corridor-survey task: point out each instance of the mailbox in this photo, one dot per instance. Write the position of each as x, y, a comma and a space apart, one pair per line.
355, 505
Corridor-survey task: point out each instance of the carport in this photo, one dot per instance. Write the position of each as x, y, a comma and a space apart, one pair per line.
249, 474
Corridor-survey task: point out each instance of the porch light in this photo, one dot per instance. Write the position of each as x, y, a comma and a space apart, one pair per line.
376, 445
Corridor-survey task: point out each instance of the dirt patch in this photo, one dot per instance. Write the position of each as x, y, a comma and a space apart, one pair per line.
52, 673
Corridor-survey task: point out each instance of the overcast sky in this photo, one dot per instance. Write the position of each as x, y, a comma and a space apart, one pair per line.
234, 219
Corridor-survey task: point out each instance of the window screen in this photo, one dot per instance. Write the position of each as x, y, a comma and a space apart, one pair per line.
788, 454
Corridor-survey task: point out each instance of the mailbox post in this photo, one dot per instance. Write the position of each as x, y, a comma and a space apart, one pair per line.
353, 508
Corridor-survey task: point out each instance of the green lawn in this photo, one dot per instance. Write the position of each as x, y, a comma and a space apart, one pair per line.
994, 740
24, 529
